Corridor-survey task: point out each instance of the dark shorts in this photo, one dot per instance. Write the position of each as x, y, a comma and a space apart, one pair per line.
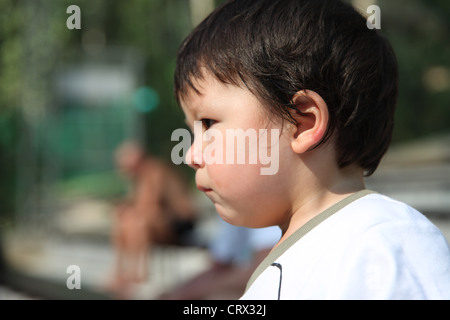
184, 232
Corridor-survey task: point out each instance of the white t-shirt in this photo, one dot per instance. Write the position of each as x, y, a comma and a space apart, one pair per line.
367, 246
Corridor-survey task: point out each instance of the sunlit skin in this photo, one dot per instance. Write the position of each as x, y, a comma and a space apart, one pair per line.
308, 180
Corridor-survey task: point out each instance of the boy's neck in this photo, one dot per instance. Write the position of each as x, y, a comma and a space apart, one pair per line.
321, 194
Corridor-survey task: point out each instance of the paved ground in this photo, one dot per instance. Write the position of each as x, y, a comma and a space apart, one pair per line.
51, 257
11, 294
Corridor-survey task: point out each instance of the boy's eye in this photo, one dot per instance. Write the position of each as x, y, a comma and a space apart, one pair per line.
207, 123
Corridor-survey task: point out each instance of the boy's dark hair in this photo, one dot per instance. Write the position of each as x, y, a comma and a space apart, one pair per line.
277, 47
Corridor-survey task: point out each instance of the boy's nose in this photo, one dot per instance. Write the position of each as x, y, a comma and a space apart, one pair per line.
194, 157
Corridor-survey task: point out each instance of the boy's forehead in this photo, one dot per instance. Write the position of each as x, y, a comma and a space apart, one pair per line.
189, 101
204, 88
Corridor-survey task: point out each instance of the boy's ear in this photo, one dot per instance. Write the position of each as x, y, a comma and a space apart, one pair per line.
311, 114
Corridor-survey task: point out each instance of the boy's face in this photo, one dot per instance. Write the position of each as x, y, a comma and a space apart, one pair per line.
241, 194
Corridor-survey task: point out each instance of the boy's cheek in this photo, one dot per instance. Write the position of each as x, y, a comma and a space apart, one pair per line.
235, 179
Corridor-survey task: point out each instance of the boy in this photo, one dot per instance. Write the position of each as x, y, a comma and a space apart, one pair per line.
314, 71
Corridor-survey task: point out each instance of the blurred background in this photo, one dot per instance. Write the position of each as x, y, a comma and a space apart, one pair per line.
69, 98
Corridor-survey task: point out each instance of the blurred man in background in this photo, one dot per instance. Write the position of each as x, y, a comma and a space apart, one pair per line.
157, 210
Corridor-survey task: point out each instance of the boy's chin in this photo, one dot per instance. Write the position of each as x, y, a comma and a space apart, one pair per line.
235, 218
232, 218
225, 215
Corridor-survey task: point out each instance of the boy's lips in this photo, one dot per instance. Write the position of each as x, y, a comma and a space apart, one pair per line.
203, 189
209, 193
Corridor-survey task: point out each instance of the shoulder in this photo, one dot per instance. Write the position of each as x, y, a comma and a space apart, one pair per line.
374, 248
393, 251
376, 211
385, 224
